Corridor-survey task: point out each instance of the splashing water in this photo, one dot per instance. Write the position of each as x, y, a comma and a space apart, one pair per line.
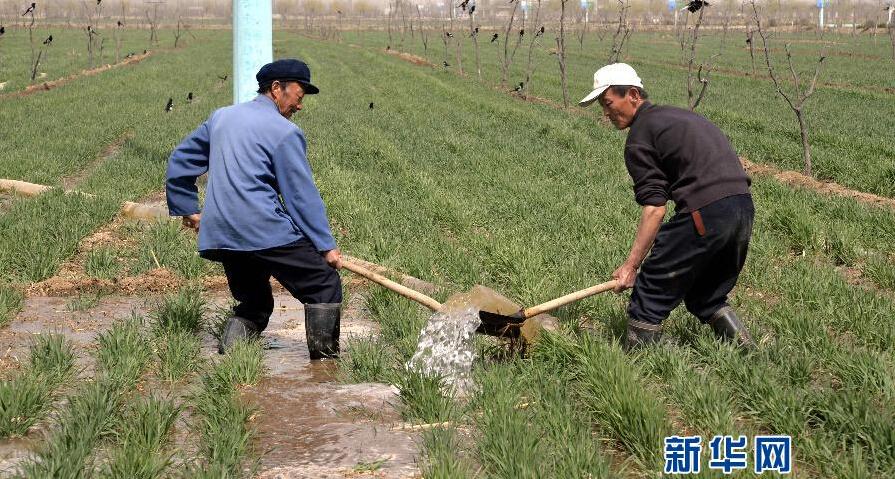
446, 348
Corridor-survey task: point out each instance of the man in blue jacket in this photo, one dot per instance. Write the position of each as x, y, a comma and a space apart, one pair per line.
263, 215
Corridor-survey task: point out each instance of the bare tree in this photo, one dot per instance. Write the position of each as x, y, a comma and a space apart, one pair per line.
621, 33
425, 40
750, 40
391, 13
92, 35
704, 69
153, 22
444, 38
474, 33
31, 32
534, 38
890, 26
801, 92
403, 21
582, 31
118, 40
40, 54
505, 64
561, 53
459, 42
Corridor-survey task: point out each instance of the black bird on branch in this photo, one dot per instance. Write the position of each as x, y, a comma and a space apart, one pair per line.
463, 5
449, 34
49, 40
189, 97
540, 32
446, 64
120, 24
98, 2
522, 32
30, 9
371, 105
748, 40
170, 105
519, 86
471, 9
695, 5
475, 32
493, 38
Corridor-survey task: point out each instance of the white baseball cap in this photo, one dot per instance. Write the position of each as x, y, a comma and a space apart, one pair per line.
614, 74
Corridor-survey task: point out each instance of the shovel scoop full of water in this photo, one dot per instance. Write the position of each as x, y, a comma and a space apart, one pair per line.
446, 347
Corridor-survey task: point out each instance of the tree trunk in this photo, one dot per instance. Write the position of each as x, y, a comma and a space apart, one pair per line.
806, 147
475, 43
561, 54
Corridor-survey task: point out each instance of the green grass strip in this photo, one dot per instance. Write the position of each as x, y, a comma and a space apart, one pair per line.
142, 438
27, 398
222, 417
68, 449
611, 391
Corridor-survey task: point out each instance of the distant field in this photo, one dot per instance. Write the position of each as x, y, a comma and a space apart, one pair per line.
459, 183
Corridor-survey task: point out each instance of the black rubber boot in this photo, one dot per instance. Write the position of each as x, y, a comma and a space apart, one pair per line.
322, 329
728, 327
640, 334
237, 329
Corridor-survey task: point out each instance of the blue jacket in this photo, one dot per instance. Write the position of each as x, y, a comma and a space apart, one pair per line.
260, 191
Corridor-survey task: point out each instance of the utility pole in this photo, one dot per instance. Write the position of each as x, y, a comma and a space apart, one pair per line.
252, 45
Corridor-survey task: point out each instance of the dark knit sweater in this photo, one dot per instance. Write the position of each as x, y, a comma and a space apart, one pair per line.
675, 154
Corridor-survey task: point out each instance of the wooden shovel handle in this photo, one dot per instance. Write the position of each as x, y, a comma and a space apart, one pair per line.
391, 285
569, 298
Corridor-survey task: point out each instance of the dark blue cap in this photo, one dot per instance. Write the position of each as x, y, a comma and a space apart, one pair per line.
287, 70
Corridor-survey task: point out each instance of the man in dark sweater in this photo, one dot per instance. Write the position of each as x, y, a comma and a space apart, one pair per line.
697, 255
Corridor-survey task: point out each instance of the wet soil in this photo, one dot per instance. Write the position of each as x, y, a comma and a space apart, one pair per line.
308, 424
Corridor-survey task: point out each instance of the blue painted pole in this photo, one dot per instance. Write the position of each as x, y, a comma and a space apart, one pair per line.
252, 45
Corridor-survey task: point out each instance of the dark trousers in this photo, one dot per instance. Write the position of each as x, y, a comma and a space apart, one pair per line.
696, 258
299, 267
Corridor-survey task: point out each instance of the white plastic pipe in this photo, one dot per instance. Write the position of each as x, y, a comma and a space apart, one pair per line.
252, 45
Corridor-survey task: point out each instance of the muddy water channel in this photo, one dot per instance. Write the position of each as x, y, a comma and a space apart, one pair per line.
313, 426
308, 424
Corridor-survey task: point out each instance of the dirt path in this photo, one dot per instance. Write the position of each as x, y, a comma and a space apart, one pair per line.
761, 76
83, 73
794, 178
71, 182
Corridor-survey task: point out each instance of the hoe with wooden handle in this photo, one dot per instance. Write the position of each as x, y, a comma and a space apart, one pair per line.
408, 293
491, 305
497, 324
